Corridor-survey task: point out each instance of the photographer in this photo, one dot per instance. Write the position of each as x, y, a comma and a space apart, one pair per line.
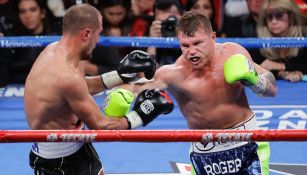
166, 15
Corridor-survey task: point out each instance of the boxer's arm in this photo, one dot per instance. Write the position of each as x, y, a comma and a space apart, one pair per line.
94, 84
270, 88
75, 92
159, 81
148, 105
135, 62
241, 68
128, 69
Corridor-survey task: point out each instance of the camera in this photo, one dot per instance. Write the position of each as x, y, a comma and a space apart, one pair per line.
168, 28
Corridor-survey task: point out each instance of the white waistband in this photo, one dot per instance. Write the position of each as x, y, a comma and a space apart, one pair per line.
209, 147
52, 150
249, 124
49, 150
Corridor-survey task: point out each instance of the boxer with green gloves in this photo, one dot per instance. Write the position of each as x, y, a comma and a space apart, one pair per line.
240, 68
207, 82
148, 105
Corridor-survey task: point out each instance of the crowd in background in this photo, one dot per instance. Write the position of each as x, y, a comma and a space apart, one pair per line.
157, 18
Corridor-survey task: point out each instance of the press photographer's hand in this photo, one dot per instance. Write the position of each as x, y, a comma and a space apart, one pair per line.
155, 29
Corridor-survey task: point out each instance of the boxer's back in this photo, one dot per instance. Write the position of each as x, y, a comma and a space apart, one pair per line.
43, 91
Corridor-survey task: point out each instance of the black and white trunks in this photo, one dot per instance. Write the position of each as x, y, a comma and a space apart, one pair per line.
83, 162
65, 158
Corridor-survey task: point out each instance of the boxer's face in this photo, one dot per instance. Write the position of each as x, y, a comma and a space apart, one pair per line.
93, 39
198, 49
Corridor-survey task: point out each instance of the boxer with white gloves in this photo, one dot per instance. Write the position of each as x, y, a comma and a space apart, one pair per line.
57, 95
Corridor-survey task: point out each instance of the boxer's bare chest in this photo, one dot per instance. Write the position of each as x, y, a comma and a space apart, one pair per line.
201, 85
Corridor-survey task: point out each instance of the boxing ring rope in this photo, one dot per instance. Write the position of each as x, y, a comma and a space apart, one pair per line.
41, 41
10, 136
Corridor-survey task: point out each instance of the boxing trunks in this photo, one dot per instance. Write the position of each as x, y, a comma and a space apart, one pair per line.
240, 158
69, 158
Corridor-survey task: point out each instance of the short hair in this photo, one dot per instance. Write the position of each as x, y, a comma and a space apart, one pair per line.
80, 16
191, 21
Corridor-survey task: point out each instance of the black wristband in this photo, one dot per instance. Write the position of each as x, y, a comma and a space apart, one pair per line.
104, 85
129, 123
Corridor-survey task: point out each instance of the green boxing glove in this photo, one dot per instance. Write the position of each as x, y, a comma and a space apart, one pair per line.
239, 68
118, 103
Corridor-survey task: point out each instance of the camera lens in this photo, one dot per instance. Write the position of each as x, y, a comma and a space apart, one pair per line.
168, 28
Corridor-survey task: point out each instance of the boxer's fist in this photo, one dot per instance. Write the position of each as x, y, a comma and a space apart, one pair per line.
135, 62
148, 105
117, 103
239, 68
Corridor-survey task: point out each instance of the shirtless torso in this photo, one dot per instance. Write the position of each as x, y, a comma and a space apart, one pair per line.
58, 95
204, 98
208, 86
44, 90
